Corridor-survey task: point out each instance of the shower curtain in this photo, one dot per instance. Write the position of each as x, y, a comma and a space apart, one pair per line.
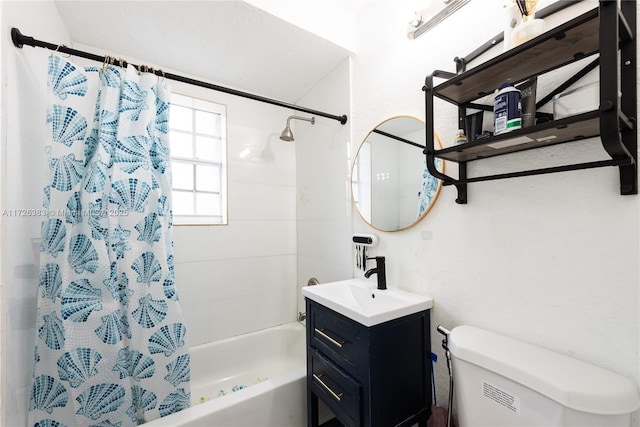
110, 345
428, 189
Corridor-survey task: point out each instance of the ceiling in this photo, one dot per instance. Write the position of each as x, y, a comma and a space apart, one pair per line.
230, 43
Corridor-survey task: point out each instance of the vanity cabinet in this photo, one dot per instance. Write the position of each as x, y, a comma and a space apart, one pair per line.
376, 376
606, 35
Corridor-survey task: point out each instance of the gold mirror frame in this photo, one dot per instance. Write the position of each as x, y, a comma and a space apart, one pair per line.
356, 169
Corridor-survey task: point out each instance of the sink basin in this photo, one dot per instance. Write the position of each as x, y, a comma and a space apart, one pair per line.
361, 301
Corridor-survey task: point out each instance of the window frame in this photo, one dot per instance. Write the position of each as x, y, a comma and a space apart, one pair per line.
186, 99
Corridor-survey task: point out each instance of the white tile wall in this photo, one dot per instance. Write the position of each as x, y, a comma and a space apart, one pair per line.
24, 80
226, 297
240, 277
323, 198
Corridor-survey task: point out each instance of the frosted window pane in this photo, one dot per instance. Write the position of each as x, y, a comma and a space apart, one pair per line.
207, 204
180, 118
182, 203
208, 178
207, 123
208, 148
181, 144
182, 174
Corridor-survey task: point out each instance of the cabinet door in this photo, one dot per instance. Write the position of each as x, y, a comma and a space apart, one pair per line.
338, 390
400, 370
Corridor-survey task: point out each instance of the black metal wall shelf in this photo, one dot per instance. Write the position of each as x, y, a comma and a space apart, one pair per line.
608, 33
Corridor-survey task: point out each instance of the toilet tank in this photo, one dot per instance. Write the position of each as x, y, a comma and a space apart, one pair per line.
499, 381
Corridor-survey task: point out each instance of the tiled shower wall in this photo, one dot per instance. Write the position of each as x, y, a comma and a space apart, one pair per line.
241, 277
323, 206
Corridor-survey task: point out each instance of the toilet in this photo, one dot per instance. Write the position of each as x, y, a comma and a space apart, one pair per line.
503, 382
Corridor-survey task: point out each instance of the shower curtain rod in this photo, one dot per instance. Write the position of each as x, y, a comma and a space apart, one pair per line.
20, 40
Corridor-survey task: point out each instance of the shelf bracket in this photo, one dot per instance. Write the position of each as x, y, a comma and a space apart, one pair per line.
629, 87
616, 113
429, 151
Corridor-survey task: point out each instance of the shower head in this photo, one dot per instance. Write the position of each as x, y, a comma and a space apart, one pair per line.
286, 134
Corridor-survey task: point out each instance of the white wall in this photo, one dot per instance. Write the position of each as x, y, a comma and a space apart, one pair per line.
385, 177
552, 259
24, 95
322, 169
330, 19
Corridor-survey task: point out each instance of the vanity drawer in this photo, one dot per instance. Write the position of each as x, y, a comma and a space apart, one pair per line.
338, 390
339, 338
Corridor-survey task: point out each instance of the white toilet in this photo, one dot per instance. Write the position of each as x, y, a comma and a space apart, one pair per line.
499, 381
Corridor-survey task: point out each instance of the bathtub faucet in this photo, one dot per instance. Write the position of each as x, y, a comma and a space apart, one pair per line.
380, 270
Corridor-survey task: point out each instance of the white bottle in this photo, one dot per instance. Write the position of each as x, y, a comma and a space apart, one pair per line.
512, 17
460, 138
529, 28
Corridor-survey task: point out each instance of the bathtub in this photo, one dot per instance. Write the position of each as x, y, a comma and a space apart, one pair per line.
252, 380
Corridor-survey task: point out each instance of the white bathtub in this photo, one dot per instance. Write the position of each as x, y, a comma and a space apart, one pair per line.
267, 368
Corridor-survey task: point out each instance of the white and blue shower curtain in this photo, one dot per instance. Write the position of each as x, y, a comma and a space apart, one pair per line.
110, 345
428, 189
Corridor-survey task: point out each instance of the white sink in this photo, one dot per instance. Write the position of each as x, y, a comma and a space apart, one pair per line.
361, 301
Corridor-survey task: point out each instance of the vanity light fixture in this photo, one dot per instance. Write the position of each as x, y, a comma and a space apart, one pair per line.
426, 19
286, 134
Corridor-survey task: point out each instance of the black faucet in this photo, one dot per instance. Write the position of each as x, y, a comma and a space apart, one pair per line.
380, 270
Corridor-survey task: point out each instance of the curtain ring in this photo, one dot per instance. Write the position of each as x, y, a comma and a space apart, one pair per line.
58, 48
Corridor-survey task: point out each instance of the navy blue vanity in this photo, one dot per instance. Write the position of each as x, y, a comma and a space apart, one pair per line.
374, 376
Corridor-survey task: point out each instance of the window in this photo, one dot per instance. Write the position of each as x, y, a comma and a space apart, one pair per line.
198, 161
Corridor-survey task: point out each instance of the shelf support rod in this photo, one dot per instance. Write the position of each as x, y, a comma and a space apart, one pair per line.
542, 171
564, 86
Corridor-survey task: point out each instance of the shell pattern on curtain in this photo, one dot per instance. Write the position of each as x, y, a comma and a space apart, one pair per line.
428, 189
110, 345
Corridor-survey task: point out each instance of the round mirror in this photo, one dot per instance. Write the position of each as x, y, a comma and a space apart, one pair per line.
390, 185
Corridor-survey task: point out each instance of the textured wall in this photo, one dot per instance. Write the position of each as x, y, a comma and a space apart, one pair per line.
551, 259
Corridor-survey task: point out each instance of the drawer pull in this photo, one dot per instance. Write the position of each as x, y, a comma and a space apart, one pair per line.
328, 338
326, 387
